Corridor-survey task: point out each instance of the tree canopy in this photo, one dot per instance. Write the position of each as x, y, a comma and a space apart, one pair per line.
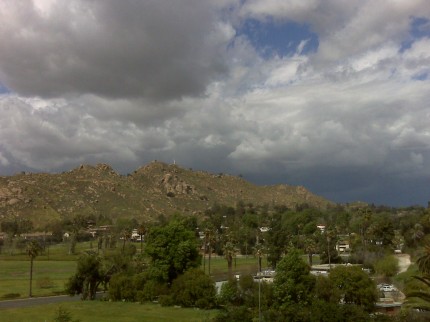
89, 274
172, 249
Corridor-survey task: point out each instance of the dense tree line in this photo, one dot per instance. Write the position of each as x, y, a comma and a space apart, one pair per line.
167, 267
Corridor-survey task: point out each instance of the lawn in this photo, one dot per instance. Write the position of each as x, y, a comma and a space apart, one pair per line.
54, 266
242, 265
97, 311
48, 277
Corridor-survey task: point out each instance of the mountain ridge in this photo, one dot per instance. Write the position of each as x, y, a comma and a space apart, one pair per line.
153, 189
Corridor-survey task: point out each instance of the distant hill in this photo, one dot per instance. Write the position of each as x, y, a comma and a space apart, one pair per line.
154, 189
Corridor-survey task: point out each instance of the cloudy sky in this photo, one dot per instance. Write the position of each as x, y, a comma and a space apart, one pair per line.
333, 95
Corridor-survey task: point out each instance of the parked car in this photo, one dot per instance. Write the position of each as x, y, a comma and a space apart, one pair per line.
387, 288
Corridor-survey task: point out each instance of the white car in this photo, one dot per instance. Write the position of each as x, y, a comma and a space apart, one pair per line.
387, 288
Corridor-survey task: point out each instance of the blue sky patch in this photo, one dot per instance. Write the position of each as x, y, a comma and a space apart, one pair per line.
271, 38
419, 28
3, 89
421, 76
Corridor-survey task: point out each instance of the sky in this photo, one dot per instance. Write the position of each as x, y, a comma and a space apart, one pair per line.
331, 95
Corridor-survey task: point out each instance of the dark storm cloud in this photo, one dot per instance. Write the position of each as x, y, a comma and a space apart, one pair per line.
155, 49
127, 82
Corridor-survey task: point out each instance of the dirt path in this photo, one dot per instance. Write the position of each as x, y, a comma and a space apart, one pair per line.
404, 262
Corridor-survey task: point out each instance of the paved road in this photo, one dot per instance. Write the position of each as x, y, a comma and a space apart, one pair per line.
37, 301
41, 301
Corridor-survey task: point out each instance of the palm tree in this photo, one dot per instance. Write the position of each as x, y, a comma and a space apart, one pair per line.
141, 230
424, 261
33, 249
125, 235
310, 248
417, 233
424, 266
229, 253
259, 252
209, 240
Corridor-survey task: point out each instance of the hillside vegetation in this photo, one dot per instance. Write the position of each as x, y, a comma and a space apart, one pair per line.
151, 190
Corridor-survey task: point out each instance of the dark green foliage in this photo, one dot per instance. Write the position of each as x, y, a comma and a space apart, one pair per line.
388, 266
235, 314
293, 282
230, 293
89, 274
122, 287
326, 290
173, 249
194, 288
16, 226
424, 261
355, 286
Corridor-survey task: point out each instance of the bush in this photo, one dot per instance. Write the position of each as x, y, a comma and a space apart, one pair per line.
152, 291
121, 287
235, 314
229, 294
194, 288
387, 266
166, 300
62, 315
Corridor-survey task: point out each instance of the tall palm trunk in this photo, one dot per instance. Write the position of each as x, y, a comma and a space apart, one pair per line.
31, 277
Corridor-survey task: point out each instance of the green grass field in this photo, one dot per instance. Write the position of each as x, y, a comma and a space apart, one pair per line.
54, 266
96, 311
48, 277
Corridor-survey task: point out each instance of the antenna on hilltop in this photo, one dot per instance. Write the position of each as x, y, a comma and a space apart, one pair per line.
174, 161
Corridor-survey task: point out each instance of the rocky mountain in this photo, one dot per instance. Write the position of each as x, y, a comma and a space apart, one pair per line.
156, 188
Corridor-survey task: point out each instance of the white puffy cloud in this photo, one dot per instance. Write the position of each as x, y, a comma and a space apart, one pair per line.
125, 83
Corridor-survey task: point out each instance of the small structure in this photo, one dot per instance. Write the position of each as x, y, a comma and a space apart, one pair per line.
388, 306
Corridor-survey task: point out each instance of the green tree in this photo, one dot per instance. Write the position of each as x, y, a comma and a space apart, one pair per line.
209, 241
355, 286
259, 250
424, 261
33, 249
141, 231
172, 250
424, 292
310, 248
75, 225
388, 266
327, 245
293, 283
89, 274
194, 288
229, 253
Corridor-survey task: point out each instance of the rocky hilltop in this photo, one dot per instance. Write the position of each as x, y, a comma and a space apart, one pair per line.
156, 188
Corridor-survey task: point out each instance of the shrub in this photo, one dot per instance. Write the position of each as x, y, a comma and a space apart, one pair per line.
194, 288
121, 287
62, 315
235, 314
152, 291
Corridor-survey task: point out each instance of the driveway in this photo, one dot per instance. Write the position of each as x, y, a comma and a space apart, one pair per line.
404, 262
